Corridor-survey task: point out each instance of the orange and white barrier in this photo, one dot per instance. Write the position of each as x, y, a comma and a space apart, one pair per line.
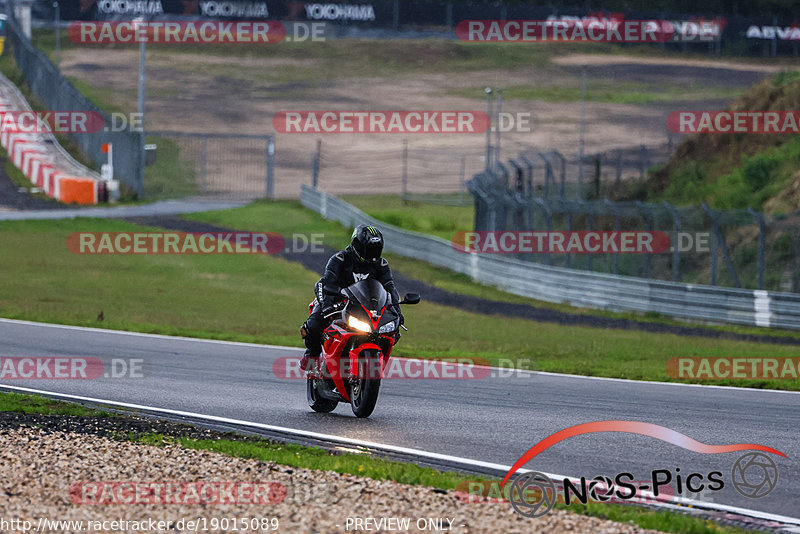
39, 162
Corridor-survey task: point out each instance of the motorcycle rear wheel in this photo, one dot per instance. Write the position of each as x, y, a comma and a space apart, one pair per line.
317, 403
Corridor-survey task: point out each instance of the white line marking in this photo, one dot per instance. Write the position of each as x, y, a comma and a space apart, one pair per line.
144, 334
393, 448
281, 347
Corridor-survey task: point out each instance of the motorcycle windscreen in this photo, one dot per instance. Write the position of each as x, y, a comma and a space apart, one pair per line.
369, 293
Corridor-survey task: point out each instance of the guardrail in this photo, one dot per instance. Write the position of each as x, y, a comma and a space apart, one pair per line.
574, 287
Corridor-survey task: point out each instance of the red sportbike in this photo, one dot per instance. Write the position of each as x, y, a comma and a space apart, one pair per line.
356, 346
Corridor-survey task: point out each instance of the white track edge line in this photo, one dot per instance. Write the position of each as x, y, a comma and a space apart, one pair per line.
283, 347
394, 448
144, 334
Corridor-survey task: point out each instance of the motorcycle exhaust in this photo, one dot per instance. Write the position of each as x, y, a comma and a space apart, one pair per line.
326, 392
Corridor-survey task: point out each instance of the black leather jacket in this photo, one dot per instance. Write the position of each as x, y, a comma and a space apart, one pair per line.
344, 268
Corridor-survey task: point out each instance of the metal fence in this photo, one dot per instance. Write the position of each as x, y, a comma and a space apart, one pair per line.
438, 175
231, 166
594, 175
575, 287
738, 248
58, 94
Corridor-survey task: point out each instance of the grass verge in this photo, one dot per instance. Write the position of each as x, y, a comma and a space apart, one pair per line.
34, 404
294, 455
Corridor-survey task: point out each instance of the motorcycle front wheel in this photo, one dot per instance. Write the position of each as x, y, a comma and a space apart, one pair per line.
364, 391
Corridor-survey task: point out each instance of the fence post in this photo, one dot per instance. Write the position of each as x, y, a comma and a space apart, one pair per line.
582, 132
643, 163
142, 83
529, 175
204, 163
761, 239
613, 208
488, 92
548, 223
462, 177
57, 17
676, 250
714, 253
648, 217
597, 176
548, 173
315, 163
619, 166
449, 15
586, 207
396, 15
497, 131
567, 208
271, 167
721, 240
405, 171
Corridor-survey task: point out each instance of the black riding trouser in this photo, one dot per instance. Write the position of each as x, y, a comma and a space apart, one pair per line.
314, 327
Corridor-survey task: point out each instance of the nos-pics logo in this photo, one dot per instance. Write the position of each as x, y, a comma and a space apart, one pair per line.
533, 494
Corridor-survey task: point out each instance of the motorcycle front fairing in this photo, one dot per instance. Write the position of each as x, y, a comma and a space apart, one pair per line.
367, 322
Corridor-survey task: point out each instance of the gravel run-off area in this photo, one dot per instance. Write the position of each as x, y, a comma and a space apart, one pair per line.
44, 471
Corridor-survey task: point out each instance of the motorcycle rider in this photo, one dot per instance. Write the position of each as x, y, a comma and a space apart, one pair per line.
360, 260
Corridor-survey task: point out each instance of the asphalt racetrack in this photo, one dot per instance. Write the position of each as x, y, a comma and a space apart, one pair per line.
492, 419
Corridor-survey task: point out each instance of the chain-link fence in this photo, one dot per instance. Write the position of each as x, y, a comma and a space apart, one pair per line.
57, 94
737, 248
234, 166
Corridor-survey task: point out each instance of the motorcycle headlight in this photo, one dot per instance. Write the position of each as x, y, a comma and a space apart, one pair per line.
388, 327
358, 324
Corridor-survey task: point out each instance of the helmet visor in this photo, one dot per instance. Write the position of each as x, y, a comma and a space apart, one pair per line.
373, 249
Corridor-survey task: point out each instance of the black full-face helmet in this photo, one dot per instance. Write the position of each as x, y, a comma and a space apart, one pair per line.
367, 243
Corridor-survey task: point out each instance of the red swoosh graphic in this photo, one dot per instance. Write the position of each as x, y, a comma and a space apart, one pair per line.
633, 427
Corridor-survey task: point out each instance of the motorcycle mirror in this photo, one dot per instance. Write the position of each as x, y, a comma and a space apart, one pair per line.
410, 298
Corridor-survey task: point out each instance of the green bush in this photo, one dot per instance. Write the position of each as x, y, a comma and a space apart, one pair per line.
758, 171
785, 77
783, 247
